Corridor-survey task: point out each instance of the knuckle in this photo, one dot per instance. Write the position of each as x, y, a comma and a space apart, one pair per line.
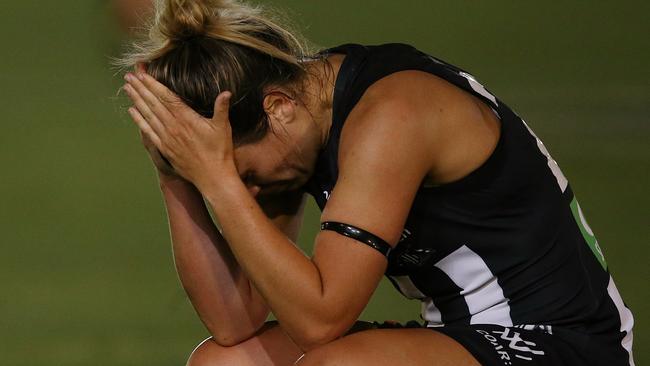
146, 113
170, 99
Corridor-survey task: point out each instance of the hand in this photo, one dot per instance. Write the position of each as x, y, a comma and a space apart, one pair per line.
162, 166
199, 149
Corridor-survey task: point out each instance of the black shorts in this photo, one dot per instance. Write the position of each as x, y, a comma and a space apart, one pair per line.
494, 345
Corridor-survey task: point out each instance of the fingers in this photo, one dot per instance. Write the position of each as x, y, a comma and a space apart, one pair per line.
146, 140
221, 107
160, 161
146, 131
150, 114
166, 96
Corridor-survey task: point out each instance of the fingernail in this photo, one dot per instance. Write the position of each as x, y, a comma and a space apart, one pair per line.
127, 77
140, 76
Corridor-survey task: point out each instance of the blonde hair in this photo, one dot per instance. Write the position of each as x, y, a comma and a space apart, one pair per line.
200, 48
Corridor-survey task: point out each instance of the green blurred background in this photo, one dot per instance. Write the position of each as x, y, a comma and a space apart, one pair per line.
86, 268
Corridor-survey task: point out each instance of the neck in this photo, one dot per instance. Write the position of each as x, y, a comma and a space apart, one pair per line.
319, 92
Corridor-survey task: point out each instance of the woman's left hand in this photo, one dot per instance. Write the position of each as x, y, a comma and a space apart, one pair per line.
200, 149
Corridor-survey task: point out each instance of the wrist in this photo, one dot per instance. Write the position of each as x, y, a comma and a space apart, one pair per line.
215, 180
225, 189
172, 181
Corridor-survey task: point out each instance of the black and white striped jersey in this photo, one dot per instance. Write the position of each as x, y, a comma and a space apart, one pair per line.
506, 245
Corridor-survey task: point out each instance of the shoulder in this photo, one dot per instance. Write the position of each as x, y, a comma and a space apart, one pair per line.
421, 118
407, 112
397, 136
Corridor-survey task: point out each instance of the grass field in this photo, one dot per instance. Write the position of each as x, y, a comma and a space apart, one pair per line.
86, 268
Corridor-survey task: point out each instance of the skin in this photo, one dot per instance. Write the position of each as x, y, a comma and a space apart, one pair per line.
236, 276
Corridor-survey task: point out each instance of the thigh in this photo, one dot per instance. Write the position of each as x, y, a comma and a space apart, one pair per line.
269, 347
412, 347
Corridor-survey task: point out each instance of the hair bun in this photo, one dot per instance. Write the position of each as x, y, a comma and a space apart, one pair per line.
182, 19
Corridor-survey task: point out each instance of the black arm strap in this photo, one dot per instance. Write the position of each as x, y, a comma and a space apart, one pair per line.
357, 234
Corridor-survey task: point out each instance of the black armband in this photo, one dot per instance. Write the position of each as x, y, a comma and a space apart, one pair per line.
360, 235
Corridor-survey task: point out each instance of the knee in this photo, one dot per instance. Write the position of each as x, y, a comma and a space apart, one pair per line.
209, 353
323, 356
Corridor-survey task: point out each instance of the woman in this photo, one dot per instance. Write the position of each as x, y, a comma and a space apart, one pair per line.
421, 174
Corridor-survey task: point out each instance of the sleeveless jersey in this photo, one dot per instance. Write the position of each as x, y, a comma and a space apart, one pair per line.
506, 245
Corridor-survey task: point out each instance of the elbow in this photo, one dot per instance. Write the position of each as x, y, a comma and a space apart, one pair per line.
236, 330
230, 336
228, 340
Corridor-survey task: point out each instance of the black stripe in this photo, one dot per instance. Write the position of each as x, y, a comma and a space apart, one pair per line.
360, 235
447, 298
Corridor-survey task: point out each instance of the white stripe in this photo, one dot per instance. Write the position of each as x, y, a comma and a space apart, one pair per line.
552, 164
483, 294
585, 225
478, 87
407, 287
431, 314
627, 320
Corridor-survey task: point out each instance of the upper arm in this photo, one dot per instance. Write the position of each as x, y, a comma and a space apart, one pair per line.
383, 159
381, 166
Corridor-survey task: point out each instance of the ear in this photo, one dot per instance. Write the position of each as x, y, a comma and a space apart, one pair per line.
280, 107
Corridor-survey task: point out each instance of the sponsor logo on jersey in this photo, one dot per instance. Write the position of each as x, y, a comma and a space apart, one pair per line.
509, 345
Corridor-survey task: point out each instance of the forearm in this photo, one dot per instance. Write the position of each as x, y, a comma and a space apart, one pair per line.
214, 281
288, 280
